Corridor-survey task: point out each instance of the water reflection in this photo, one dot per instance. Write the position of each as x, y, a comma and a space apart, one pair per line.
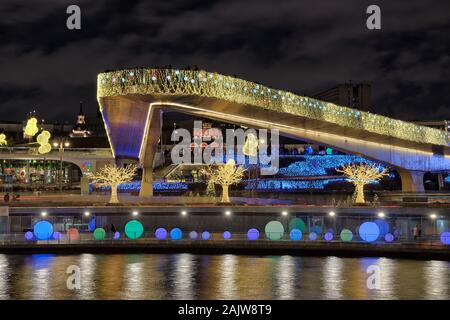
188, 276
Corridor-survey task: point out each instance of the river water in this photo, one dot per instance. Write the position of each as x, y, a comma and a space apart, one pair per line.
190, 276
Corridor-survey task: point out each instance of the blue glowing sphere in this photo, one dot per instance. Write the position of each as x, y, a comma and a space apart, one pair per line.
296, 235
253, 234
369, 231
227, 235
445, 237
161, 233
316, 229
116, 235
56, 235
389, 237
176, 234
29, 235
193, 235
206, 235
328, 236
312, 236
43, 230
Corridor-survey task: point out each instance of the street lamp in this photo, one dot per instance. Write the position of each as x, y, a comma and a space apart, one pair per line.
227, 213
381, 215
60, 144
135, 213
183, 213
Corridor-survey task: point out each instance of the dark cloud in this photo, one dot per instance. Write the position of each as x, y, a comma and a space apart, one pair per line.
302, 46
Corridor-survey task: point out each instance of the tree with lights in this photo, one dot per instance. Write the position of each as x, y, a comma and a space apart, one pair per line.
3, 141
361, 174
225, 175
113, 176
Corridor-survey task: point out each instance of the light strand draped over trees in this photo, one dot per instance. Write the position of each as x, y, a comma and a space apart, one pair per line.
113, 176
361, 174
225, 175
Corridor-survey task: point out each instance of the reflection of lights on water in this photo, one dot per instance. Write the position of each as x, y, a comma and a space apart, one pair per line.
4, 272
41, 275
436, 279
87, 263
228, 277
285, 277
387, 279
183, 277
134, 280
332, 278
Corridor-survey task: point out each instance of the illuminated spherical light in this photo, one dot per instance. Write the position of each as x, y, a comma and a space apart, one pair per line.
116, 235
331, 213
193, 235
183, 213
43, 230
73, 234
445, 238
369, 231
227, 213
87, 213
134, 229
56, 235
274, 230
381, 215
29, 235
161, 234
389, 237
226, 235
135, 213
328, 236
296, 235
43, 214
284, 213
312, 236
433, 216
99, 234
346, 235
206, 235
253, 234
176, 234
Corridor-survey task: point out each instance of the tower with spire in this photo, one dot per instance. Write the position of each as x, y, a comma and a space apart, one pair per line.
80, 129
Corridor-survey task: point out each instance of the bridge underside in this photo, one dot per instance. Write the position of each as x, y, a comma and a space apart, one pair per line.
133, 123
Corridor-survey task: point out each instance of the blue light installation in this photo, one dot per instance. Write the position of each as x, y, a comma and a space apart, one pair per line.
297, 223
56, 235
91, 226
116, 235
161, 233
253, 234
226, 235
369, 231
193, 235
445, 238
312, 236
206, 235
296, 235
29, 235
316, 229
383, 225
328, 236
176, 234
389, 237
43, 230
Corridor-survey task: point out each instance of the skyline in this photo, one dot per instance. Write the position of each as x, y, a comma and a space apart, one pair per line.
49, 68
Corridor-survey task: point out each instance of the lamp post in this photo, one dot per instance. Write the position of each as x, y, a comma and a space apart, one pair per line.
61, 144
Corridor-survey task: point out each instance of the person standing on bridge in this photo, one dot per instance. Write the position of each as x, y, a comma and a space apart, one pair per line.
416, 232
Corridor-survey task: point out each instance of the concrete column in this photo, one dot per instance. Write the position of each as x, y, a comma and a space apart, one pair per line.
412, 181
152, 135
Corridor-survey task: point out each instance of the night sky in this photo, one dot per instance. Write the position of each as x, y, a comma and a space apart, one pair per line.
301, 46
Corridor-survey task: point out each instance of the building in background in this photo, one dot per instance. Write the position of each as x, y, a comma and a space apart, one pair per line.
80, 129
351, 95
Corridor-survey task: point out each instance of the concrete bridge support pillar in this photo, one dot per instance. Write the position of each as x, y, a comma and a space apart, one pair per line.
412, 181
150, 144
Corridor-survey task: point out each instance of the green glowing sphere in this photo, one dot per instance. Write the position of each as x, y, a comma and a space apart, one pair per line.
274, 230
297, 223
99, 234
134, 229
346, 235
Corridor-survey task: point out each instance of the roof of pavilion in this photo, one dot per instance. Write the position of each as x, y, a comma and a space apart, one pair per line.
171, 82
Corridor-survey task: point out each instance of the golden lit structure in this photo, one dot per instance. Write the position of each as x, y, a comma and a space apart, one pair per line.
360, 175
44, 145
250, 147
3, 141
113, 176
225, 175
31, 127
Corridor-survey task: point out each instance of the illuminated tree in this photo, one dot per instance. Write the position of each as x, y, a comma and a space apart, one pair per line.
31, 127
225, 175
113, 176
361, 174
3, 141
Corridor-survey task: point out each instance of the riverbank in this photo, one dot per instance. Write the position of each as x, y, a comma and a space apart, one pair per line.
422, 251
